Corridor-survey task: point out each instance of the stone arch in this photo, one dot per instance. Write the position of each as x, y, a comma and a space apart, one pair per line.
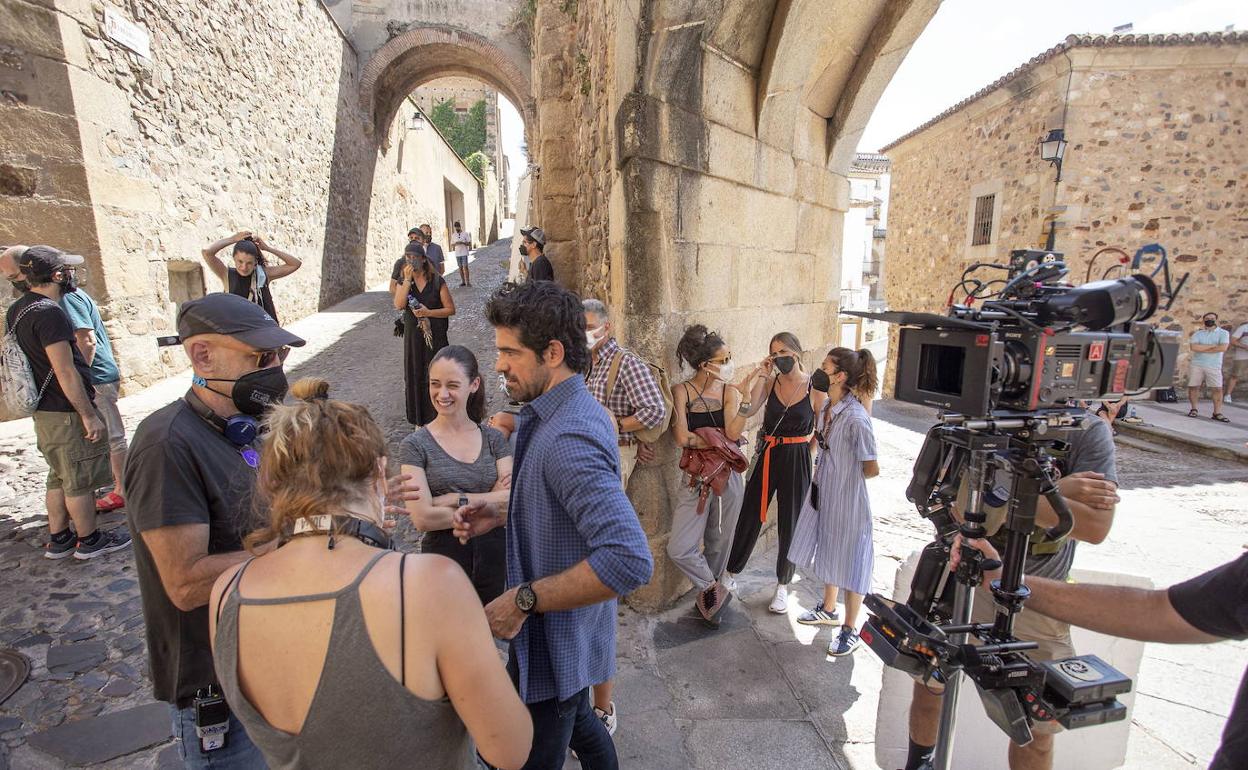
426, 52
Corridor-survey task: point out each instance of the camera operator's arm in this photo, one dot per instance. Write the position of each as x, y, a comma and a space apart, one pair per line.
1092, 499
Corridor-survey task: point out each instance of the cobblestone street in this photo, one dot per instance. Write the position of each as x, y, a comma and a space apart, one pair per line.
758, 694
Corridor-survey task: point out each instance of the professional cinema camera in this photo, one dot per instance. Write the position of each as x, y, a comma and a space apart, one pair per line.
1008, 376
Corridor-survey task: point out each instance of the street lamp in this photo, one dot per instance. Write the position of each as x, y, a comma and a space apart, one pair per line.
1053, 149
418, 122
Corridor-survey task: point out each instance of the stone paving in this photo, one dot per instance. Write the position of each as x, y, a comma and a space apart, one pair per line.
759, 693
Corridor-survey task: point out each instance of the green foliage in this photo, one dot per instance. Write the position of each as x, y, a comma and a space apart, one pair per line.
465, 133
478, 163
522, 21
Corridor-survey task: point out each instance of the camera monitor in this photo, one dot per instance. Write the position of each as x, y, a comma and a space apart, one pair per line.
934, 364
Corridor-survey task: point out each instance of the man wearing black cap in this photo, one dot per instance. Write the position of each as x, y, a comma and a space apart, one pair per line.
70, 432
534, 246
189, 481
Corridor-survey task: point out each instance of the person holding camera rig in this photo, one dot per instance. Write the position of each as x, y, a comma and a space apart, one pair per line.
1211, 607
426, 302
1089, 486
250, 276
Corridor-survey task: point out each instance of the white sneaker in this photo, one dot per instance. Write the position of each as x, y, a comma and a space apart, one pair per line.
1227, 399
780, 604
610, 721
729, 581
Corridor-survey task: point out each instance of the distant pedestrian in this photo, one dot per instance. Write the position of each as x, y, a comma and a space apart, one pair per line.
426, 302
250, 277
189, 479
704, 517
462, 243
433, 251
333, 650
414, 236
574, 542
69, 430
1239, 359
782, 462
534, 247
834, 531
1208, 345
457, 460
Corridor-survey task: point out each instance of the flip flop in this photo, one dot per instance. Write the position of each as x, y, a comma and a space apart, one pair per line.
1221, 417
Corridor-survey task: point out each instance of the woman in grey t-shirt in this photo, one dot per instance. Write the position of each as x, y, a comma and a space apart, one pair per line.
458, 460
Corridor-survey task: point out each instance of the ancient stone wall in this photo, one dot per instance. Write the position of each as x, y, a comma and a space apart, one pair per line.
1156, 155
138, 163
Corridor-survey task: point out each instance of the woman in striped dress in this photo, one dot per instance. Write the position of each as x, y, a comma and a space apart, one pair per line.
833, 537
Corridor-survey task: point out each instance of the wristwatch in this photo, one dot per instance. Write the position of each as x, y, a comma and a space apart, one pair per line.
526, 600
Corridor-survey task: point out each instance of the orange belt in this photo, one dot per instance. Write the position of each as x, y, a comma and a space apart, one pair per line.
768, 443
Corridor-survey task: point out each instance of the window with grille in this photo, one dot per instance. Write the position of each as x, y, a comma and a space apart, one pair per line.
981, 232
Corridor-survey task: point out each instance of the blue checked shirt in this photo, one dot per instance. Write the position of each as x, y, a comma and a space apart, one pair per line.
566, 507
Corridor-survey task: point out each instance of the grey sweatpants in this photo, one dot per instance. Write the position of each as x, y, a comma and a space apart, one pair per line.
700, 543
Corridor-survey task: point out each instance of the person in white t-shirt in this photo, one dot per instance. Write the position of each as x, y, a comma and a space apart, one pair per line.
461, 241
1239, 359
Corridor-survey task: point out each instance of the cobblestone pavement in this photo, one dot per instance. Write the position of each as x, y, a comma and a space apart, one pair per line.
754, 695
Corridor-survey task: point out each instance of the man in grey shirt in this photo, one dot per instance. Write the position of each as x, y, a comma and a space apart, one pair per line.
1089, 484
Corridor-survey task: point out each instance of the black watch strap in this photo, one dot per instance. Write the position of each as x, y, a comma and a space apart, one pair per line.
526, 600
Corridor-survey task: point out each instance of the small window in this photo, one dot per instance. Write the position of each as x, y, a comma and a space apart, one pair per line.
981, 233
186, 282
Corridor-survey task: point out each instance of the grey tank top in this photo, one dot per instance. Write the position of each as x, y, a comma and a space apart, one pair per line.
359, 716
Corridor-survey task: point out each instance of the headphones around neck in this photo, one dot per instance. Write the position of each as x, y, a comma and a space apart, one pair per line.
240, 429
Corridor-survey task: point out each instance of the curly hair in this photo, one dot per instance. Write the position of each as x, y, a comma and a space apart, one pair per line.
541, 312
697, 346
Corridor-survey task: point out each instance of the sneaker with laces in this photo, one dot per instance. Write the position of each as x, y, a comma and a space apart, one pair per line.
780, 603
609, 720
107, 542
846, 642
61, 549
729, 581
819, 616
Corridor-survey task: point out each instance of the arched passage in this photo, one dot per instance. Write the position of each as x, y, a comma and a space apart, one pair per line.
424, 53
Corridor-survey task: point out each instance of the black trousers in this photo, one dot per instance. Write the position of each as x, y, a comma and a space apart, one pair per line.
483, 558
788, 481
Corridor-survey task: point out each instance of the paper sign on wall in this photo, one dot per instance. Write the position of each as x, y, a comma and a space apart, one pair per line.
127, 33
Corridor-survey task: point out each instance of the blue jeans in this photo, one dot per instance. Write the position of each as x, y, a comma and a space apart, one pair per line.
558, 725
238, 751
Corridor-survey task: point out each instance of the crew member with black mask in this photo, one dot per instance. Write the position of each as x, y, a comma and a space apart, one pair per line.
189, 480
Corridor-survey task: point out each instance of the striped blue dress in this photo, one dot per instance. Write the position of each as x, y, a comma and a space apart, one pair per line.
833, 538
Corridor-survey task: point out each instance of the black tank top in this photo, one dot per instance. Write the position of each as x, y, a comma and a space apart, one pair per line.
799, 420
695, 420
241, 285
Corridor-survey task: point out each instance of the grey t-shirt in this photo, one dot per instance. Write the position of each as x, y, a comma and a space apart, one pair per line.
446, 474
1091, 449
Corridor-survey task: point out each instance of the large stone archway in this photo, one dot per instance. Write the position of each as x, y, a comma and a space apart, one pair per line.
427, 52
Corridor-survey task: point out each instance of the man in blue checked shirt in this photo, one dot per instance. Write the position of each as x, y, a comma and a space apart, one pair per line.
574, 543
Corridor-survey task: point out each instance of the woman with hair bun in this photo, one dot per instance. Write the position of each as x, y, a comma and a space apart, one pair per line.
332, 649
458, 461
833, 535
702, 527
249, 278
427, 306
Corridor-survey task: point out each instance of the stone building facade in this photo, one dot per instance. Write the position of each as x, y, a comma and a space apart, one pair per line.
1158, 153
463, 93
138, 159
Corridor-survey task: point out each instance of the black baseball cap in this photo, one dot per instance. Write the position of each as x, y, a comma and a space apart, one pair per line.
40, 262
233, 316
536, 233
416, 231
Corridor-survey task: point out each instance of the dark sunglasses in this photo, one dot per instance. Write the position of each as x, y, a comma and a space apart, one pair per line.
266, 358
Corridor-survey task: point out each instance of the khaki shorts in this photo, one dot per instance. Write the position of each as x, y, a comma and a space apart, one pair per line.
1239, 369
106, 402
1052, 636
1204, 375
76, 465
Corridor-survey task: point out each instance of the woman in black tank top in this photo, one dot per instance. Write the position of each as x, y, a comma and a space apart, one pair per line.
782, 459
700, 540
249, 277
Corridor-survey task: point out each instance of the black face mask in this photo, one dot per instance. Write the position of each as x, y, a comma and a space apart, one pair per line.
255, 391
1209, 322
21, 285
68, 285
820, 381
785, 363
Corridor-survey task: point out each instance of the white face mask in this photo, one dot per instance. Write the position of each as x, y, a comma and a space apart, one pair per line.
592, 336
726, 371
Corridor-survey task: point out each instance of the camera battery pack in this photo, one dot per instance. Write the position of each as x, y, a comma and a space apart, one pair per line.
1084, 679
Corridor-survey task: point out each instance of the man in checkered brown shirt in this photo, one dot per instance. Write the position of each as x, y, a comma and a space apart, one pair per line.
635, 402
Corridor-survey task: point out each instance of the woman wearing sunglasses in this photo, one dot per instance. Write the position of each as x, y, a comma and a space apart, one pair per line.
782, 453
833, 535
